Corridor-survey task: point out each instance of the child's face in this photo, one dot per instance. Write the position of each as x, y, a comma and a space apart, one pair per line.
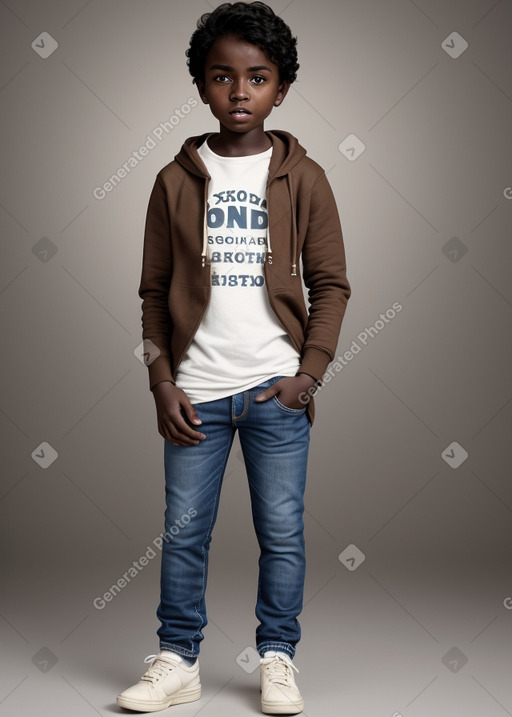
240, 75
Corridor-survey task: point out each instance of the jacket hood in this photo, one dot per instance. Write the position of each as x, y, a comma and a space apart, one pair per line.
286, 154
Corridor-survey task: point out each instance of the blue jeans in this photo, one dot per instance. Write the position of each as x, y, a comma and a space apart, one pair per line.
275, 443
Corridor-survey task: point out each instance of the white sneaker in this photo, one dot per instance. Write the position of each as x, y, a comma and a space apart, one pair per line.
279, 693
169, 681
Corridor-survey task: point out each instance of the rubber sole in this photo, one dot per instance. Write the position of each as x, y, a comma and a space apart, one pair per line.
189, 694
269, 708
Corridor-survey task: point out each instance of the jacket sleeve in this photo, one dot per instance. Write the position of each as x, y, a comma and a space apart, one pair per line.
324, 272
154, 286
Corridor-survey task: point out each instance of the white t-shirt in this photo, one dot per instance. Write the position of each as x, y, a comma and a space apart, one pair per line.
240, 342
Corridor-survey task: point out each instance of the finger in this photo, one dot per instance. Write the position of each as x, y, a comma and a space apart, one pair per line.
184, 443
291, 399
180, 430
191, 413
266, 394
181, 440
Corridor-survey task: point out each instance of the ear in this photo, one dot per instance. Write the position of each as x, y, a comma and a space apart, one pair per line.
201, 88
281, 93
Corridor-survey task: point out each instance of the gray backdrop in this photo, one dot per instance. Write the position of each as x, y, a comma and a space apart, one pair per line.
408, 602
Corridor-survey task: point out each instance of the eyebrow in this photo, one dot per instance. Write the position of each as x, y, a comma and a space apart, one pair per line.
256, 68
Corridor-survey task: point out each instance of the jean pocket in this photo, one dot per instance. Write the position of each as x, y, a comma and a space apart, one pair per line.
287, 409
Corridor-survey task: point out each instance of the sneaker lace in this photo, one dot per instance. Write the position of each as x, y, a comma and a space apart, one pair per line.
159, 669
280, 670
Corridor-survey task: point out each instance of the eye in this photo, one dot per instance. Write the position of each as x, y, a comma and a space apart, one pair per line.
221, 78
259, 79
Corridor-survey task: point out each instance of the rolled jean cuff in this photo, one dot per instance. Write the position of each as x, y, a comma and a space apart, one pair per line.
176, 648
277, 647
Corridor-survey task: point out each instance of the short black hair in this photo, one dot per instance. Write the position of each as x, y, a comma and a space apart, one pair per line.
254, 22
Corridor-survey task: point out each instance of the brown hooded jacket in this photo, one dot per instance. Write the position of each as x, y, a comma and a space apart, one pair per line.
302, 222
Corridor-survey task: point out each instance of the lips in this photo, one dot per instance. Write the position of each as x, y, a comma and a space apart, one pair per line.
239, 111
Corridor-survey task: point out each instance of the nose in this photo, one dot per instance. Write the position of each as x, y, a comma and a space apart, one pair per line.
239, 91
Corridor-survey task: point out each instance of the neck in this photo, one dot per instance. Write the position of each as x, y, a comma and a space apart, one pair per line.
239, 144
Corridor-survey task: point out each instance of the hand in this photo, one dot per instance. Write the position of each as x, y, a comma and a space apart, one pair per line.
289, 389
173, 407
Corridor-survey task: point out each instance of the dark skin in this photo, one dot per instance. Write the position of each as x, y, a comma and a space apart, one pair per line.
237, 75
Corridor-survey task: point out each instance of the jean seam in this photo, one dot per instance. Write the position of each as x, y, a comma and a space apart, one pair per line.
276, 647
176, 648
244, 409
208, 534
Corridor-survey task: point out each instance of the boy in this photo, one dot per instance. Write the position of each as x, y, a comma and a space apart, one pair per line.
236, 348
